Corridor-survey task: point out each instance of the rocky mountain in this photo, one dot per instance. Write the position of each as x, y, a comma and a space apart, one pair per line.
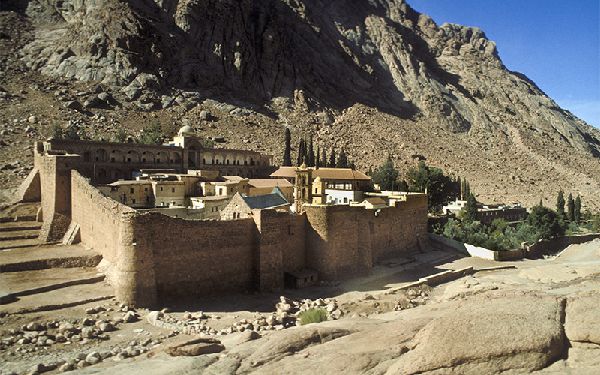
374, 77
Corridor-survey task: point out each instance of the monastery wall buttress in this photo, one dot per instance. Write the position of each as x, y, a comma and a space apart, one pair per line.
55, 183
108, 227
346, 241
281, 247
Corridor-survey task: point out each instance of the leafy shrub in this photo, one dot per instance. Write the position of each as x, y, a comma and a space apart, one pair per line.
152, 134
312, 316
542, 223
572, 229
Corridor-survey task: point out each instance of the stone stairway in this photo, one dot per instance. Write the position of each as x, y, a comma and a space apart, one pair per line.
19, 234
49, 277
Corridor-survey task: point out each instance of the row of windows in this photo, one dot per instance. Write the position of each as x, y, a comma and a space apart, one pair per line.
132, 190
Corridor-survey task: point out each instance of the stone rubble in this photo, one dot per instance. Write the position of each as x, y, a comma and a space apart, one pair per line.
285, 316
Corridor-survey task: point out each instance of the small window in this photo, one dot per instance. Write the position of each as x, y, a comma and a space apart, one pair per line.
161, 189
131, 190
133, 201
172, 190
146, 189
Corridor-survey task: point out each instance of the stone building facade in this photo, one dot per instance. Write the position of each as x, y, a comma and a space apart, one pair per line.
105, 162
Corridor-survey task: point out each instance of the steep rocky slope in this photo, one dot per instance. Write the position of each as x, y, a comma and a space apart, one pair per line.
374, 77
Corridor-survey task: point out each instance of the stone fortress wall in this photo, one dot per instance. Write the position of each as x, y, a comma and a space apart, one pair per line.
152, 257
347, 240
104, 162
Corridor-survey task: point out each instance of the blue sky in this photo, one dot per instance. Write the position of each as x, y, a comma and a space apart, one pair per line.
555, 43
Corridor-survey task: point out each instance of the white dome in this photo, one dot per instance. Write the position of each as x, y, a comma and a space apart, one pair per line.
185, 130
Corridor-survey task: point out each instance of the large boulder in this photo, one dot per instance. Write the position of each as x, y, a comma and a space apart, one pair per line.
195, 347
488, 335
582, 322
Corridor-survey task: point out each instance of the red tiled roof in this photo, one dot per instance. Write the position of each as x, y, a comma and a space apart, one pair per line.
324, 173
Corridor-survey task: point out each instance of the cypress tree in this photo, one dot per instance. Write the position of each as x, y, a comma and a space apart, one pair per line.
560, 204
287, 157
570, 208
386, 175
460, 187
318, 158
342, 161
467, 191
324, 158
310, 158
577, 209
332, 159
301, 152
470, 213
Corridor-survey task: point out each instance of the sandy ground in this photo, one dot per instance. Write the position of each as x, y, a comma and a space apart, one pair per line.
574, 271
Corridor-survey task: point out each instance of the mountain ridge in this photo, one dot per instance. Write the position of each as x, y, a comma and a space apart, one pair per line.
312, 65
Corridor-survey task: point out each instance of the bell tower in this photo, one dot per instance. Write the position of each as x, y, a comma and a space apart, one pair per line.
318, 191
303, 187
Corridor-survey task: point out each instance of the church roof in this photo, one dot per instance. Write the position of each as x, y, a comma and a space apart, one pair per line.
324, 173
272, 200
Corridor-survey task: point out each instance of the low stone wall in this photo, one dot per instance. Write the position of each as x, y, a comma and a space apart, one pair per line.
444, 242
435, 279
555, 245
534, 251
504, 255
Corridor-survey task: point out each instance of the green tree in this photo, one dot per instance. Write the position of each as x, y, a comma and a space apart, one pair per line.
577, 210
57, 132
311, 153
287, 157
440, 188
386, 175
120, 136
570, 208
470, 210
318, 158
460, 188
342, 161
324, 158
301, 152
332, 159
546, 222
560, 203
596, 223
402, 186
72, 133
152, 134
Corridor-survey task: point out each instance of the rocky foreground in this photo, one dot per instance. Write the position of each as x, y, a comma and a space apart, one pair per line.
529, 316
